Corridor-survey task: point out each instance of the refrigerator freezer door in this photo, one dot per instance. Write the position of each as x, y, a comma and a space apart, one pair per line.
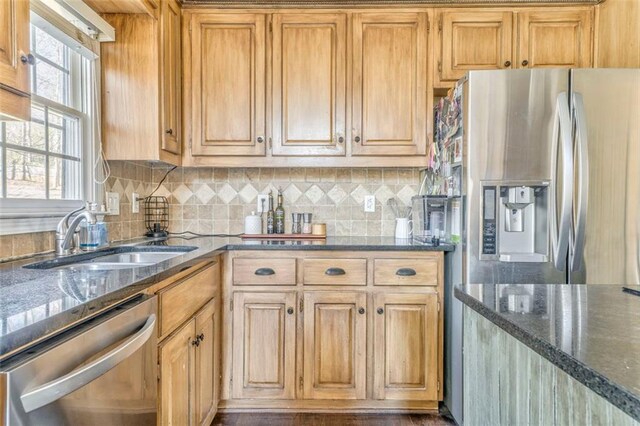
606, 224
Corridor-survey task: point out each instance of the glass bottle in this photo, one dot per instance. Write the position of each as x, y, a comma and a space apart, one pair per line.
270, 214
279, 220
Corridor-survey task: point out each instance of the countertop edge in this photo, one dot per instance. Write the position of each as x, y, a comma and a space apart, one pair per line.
616, 394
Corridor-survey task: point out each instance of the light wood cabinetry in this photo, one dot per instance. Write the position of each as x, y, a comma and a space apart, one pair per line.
309, 84
390, 83
189, 350
14, 60
225, 75
149, 7
405, 359
264, 339
495, 38
141, 100
318, 343
555, 38
335, 338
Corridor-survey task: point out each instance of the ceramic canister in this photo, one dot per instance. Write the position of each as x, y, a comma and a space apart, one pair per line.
253, 224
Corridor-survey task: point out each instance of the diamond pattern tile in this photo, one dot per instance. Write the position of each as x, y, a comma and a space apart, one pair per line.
406, 193
129, 190
358, 194
314, 194
383, 194
291, 194
248, 193
337, 194
205, 193
161, 192
227, 193
182, 193
117, 187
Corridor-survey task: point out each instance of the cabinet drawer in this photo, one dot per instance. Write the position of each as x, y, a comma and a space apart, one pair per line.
335, 271
412, 272
180, 302
264, 271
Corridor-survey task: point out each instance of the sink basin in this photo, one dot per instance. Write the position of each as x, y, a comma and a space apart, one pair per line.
115, 258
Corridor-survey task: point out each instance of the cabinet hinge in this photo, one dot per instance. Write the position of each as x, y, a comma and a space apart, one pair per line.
428, 25
189, 27
440, 24
301, 382
438, 306
270, 144
439, 66
301, 305
190, 143
438, 385
231, 304
158, 371
270, 27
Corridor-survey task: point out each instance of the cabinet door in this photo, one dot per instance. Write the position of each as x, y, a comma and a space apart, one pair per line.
473, 40
309, 84
170, 103
389, 84
227, 89
555, 38
405, 346
335, 344
177, 373
207, 364
14, 45
264, 345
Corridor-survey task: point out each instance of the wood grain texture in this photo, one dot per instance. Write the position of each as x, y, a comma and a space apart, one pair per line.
183, 299
264, 344
335, 345
170, 77
555, 39
472, 39
617, 39
206, 362
315, 271
315, 419
244, 271
309, 74
14, 107
149, 7
386, 272
506, 383
14, 43
177, 376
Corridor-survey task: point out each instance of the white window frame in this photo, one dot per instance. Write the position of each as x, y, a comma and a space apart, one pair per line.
33, 215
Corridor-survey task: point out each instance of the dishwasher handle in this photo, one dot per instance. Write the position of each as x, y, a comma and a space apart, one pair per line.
62, 386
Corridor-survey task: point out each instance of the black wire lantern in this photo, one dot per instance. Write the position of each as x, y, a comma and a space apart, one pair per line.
156, 216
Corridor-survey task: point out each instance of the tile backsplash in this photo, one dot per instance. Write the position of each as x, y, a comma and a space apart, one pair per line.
208, 200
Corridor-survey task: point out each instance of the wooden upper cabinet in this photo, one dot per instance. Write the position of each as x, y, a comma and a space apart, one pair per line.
14, 60
309, 84
227, 84
264, 345
559, 38
473, 40
405, 346
170, 66
390, 84
335, 345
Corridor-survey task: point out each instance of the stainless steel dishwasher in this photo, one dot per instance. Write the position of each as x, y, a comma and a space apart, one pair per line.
102, 372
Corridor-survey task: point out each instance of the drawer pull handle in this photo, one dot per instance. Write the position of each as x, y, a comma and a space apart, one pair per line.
406, 272
290, 310
380, 311
361, 311
335, 271
265, 271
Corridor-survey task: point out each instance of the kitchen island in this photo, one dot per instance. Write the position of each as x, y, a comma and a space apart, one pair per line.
551, 354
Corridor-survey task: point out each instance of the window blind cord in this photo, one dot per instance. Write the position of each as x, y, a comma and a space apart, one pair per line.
101, 169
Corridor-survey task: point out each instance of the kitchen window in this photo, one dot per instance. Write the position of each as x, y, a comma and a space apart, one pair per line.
46, 164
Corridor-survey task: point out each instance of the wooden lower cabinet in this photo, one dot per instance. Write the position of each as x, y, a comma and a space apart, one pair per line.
405, 342
264, 345
207, 364
177, 372
335, 345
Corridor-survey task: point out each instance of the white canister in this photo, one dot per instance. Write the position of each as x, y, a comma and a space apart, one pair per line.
403, 228
253, 224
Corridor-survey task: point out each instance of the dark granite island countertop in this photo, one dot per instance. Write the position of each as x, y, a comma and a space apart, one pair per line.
591, 332
37, 303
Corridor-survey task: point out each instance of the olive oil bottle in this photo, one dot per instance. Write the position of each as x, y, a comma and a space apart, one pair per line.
270, 214
279, 220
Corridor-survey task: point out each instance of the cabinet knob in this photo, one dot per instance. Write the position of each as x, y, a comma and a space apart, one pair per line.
28, 59
361, 311
195, 342
169, 131
507, 64
340, 139
525, 63
380, 311
201, 337
357, 139
290, 310
260, 139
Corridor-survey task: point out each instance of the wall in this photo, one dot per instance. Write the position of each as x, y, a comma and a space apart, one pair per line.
618, 36
207, 200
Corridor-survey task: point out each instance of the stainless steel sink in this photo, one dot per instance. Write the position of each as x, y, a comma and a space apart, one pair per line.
141, 257
102, 266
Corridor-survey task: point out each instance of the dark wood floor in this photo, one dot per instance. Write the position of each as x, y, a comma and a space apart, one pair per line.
315, 419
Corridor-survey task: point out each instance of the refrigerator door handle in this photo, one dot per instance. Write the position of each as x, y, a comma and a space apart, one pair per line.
561, 214
582, 195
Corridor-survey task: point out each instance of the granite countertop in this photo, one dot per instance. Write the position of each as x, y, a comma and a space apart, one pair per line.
592, 332
37, 303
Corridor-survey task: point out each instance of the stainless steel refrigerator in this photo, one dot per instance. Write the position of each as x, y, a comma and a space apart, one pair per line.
548, 182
